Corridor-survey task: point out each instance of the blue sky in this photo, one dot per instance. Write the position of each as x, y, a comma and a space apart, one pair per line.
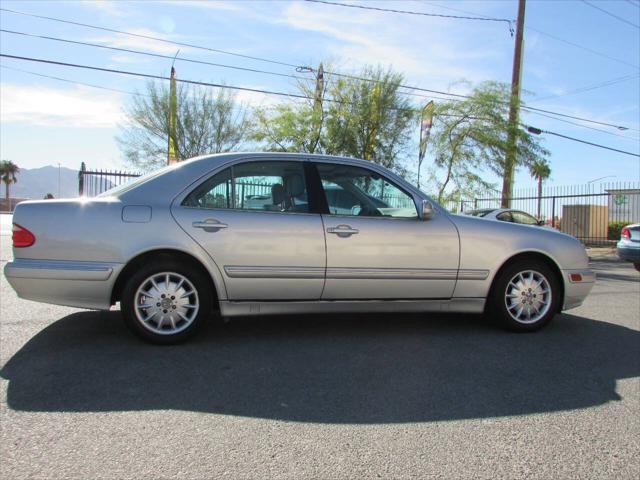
46, 122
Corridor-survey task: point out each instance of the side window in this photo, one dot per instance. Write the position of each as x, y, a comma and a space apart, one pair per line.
214, 193
358, 191
272, 186
505, 217
524, 218
267, 186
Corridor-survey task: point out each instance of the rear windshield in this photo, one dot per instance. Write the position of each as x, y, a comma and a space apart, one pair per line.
131, 184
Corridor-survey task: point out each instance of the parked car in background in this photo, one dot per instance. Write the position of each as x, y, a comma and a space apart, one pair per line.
628, 247
506, 215
177, 244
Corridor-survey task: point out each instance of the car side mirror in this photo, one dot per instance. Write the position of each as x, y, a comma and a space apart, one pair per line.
427, 210
541, 223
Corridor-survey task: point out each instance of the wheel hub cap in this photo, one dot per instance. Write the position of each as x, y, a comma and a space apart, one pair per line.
166, 303
528, 296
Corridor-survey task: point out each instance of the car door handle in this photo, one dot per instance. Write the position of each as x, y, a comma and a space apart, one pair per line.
209, 225
343, 230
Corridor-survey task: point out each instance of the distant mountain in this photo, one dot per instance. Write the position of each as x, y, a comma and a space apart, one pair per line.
35, 183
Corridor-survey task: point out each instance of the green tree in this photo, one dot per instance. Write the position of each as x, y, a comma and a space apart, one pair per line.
540, 170
470, 136
8, 174
354, 117
370, 119
207, 122
296, 126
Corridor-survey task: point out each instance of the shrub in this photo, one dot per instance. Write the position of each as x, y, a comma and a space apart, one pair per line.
613, 232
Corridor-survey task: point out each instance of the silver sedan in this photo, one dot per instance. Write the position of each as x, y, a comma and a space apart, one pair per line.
271, 233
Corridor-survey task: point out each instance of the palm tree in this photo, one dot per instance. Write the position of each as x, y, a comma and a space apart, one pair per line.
540, 170
8, 175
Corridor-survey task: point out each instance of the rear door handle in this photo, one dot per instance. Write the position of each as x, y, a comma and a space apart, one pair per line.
209, 225
343, 231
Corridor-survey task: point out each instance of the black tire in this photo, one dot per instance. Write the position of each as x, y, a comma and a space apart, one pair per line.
178, 329
503, 307
637, 266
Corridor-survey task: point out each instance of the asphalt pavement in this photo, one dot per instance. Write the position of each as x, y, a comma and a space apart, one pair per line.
391, 396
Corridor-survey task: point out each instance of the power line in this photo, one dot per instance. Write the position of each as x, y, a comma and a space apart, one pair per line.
76, 82
151, 76
298, 67
606, 12
634, 139
151, 54
587, 49
255, 90
582, 119
183, 59
148, 37
537, 131
554, 37
591, 87
411, 12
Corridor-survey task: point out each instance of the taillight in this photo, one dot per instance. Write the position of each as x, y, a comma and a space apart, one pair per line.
22, 237
625, 233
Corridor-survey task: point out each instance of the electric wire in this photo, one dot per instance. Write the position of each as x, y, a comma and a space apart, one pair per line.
255, 90
150, 54
297, 67
76, 82
554, 37
606, 12
411, 12
148, 37
589, 88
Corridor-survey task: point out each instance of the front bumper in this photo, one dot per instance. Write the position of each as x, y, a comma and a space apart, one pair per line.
64, 282
577, 285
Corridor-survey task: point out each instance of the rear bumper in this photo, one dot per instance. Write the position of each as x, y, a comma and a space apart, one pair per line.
629, 253
577, 285
64, 282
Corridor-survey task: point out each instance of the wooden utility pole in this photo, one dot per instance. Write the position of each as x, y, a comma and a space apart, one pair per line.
514, 107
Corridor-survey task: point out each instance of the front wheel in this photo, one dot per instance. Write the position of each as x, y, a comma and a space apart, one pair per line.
165, 302
525, 296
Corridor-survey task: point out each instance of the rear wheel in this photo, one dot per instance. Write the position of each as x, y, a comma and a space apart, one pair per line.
637, 265
525, 296
165, 302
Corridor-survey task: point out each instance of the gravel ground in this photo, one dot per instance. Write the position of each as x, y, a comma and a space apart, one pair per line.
324, 397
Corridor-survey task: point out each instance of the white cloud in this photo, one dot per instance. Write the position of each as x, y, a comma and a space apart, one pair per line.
78, 107
420, 49
109, 7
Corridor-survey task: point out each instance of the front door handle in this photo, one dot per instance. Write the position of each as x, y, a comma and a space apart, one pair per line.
209, 225
343, 231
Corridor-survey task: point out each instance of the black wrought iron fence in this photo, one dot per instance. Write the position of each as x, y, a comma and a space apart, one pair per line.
593, 214
94, 182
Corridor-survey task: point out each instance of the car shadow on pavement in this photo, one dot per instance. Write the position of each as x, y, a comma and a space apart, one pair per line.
328, 369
